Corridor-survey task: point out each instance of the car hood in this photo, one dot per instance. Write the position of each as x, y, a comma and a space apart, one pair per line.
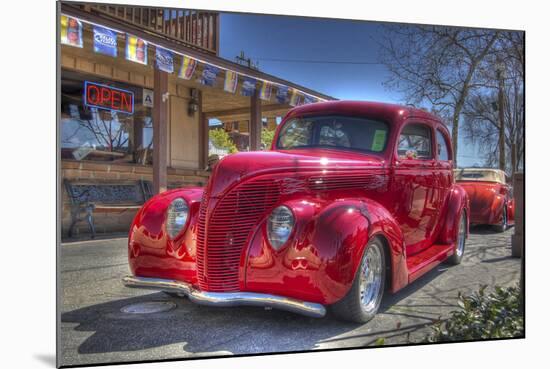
240, 166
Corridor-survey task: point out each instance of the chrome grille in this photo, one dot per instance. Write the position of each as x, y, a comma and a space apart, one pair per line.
222, 235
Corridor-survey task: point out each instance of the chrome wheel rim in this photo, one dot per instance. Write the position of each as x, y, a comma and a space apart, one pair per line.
461, 236
371, 278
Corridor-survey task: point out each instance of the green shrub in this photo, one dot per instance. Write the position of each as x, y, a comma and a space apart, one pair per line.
267, 138
482, 316
220, 138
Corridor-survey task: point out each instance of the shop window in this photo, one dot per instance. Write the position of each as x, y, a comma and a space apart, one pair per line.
103, 132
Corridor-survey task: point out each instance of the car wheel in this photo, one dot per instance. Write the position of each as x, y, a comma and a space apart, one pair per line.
363, 299
503, 226
460, 244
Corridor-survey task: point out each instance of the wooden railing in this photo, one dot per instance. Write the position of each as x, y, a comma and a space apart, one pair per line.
194, 28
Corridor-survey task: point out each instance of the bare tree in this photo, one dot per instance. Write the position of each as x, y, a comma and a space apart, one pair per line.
436, 66
481, 112
110, 131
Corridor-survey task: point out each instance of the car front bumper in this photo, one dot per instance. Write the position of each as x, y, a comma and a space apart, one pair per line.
224, 299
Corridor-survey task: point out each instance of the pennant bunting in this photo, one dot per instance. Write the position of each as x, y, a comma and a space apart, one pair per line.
136, 49
209, 74
164, 60
230, 84
71, 31
188, 66
105, 41
248, 87
282, 94
295, 98
265, 92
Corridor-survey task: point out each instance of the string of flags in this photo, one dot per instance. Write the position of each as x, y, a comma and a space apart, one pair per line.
105, 41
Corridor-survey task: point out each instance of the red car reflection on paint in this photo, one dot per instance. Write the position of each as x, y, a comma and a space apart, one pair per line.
491, 199
353, 199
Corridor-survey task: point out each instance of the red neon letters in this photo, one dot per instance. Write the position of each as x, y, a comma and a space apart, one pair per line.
110, 98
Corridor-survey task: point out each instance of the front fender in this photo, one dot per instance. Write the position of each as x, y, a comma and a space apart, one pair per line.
320, 262
151, 253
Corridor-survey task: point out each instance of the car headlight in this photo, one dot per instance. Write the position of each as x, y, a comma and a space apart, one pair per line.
279, 226
176, 217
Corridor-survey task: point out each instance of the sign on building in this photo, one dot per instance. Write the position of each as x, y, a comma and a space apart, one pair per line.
147, 98
109, 98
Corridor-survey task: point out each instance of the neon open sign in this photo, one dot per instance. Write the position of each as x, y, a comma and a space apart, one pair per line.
107, 97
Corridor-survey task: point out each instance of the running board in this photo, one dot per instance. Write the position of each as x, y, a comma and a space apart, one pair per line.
424, 261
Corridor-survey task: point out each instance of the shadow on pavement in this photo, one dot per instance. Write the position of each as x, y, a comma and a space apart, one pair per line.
484, 230
197, 328
201, 329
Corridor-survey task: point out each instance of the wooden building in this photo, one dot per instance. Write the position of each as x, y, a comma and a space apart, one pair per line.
115, 160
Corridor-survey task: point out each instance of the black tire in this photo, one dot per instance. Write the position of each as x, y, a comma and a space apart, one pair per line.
456, 258
173, 294
503, 226
350, 308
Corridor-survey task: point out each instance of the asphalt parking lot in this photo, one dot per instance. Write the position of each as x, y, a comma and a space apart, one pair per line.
94, 330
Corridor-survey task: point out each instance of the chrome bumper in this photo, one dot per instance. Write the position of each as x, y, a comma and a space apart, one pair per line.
227, 298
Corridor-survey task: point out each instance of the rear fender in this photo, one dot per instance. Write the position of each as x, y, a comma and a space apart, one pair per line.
511, 210
497, 208
457, 201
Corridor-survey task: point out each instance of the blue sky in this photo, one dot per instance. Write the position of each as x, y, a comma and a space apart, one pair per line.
311, 39
296, 38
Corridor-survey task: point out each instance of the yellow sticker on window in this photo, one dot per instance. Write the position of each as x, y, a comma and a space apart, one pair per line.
379, 140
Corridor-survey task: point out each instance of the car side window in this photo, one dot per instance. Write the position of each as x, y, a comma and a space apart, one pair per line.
415, 142
442, 148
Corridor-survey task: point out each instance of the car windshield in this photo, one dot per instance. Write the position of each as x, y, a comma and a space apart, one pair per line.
340, 132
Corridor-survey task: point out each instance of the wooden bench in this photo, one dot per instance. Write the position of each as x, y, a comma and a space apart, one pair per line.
87, 198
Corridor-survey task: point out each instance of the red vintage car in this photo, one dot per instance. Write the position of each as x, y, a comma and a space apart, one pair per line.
491, 199
354, 198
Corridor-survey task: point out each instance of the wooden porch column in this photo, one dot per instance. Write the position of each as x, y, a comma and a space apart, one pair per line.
518, 236
160, 132
255, 121
203, 136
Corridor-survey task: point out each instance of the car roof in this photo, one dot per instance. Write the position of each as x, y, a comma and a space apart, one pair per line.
494, 170
387, 110
496, 175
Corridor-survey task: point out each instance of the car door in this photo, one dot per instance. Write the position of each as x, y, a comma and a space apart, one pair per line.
444, 174
415, 188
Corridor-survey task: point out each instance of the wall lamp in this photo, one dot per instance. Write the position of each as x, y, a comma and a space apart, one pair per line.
193, 106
